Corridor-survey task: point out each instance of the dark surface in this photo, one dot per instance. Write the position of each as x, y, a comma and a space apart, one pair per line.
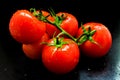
14, 65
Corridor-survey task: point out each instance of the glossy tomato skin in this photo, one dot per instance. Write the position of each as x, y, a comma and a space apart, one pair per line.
61, 60
34, 50
70, 25
103, 38
26, 28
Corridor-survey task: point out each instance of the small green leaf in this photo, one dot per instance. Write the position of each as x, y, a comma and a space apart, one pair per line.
52, 13
55, 41
82, 39
61, 39
33, 10
84, 30
92, 32
89, 29
93, 41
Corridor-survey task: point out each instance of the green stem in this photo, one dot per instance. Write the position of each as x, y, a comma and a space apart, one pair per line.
66, 33
62, 30
61, 33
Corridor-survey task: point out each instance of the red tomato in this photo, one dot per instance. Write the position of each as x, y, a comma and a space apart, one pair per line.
70, 25
26, 28
34, 50
103, 38
60, 60
51, 29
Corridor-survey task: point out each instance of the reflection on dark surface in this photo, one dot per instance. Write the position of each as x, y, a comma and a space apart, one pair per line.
111, 70
116, 52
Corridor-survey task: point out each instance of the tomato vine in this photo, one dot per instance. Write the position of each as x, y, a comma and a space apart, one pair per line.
87, 34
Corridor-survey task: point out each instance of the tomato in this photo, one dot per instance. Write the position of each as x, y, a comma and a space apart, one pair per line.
102, 38
26, 28
69, 24
60, 58
34, 50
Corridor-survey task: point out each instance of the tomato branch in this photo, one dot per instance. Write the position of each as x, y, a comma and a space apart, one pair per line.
87, 34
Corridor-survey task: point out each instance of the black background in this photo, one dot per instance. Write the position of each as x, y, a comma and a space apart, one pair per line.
14, 65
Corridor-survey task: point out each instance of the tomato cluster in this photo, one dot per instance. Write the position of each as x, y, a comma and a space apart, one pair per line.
57, 39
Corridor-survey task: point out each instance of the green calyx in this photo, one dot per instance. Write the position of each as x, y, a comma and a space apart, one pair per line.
39, 15
87, 35
57, 19
58, 42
